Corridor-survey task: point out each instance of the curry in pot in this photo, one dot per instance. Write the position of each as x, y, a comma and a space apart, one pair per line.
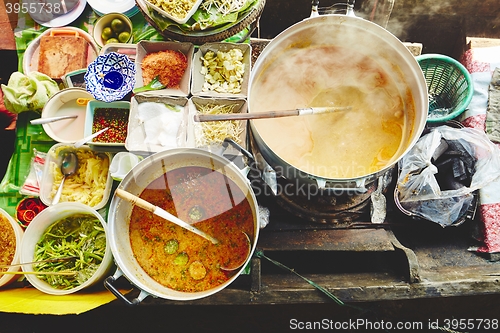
178, 258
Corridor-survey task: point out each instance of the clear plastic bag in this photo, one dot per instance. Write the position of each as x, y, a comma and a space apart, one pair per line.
31, 185
418, 188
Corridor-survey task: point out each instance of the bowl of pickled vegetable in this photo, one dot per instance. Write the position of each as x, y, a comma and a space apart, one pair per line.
67, 249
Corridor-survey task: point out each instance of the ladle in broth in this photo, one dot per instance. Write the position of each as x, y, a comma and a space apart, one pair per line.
268, 114
234, 265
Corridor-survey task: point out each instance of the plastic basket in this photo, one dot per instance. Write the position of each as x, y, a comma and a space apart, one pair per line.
449, 86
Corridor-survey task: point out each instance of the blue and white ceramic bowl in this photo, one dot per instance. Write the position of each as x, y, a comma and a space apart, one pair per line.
110, 77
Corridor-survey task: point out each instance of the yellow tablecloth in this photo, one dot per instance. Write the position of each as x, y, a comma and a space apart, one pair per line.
32, 301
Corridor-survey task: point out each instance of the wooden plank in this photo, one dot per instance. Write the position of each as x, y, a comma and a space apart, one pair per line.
351, 288
326, 240
473, 42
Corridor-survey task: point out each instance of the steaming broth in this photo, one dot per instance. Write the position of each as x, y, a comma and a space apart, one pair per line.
177, 258
343, 144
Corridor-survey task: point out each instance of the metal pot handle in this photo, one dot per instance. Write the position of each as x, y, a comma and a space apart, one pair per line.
242, 150
316, 10
108, 283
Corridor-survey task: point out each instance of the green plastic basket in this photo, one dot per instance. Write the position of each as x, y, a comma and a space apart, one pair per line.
449, 86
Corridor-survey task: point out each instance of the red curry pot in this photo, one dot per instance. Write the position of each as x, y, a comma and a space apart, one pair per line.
120, 210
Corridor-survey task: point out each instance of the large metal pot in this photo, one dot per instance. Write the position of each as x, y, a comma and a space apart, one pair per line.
120, 210
360, 39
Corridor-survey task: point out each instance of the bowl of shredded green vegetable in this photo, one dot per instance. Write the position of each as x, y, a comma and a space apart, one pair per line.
67, 249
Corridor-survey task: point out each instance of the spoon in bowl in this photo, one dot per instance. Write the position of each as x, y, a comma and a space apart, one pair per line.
61, 259
69, 166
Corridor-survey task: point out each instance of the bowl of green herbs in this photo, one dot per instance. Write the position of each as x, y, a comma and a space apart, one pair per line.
65, 249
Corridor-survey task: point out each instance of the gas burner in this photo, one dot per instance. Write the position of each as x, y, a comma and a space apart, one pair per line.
326, 207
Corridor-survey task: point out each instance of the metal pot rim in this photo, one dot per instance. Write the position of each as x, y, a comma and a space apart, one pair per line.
285, 41
126, 264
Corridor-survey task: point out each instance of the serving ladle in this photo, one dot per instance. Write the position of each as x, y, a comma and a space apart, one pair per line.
268, 114
234, 265
39, 262
162, 213
69, 166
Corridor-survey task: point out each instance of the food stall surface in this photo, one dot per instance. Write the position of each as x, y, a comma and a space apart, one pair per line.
401, 270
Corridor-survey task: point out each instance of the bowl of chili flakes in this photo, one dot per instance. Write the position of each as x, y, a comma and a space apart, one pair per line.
114, 115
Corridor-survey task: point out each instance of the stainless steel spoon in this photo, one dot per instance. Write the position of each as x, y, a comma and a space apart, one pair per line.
162, 213
69, 166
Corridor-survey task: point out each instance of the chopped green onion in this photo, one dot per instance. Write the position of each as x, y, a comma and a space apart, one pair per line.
81, 236
155, 84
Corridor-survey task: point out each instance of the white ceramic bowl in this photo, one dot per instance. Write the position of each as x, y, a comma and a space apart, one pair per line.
122, 163
105, 21
18, 231
35, 231
110, 77
64, 103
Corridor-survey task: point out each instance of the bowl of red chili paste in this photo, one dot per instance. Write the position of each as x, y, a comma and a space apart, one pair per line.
111, 115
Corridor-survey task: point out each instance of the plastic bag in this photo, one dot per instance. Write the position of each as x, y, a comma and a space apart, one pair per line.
418, 188
31, 185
